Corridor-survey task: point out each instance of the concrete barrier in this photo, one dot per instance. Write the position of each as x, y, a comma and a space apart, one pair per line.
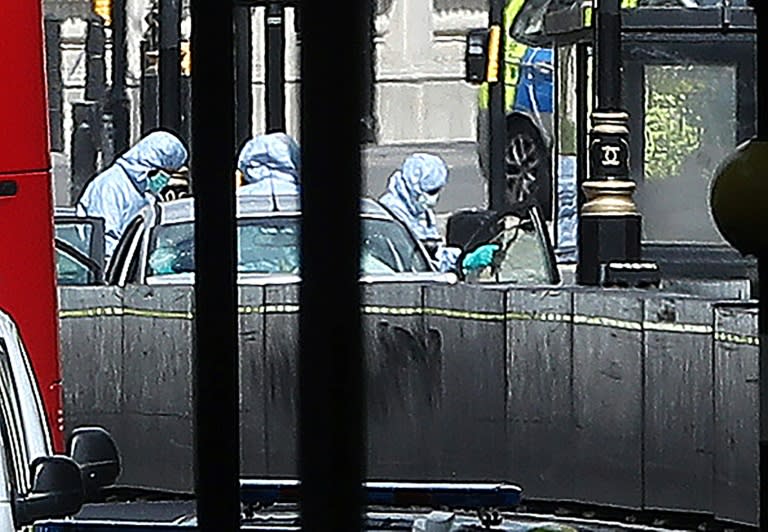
608, 397
736, 413
281, 363
540, 420
403, 377
619, 397
469, 441
678, 435
254, 442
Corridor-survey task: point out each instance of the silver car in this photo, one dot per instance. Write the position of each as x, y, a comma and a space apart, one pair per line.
157, 246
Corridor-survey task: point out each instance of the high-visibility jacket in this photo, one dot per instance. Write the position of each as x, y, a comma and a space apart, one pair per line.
514, 52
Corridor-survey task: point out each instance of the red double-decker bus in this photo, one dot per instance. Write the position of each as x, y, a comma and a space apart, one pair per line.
27, 269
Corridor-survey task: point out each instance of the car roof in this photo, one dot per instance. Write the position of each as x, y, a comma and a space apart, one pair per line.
182, 210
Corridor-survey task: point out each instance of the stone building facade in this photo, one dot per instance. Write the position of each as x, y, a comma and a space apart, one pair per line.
420, 95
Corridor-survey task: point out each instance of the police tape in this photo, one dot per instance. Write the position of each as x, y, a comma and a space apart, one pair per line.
732, 338
438, 312
124, 311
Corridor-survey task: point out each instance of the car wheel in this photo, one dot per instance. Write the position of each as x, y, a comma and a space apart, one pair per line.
528, 177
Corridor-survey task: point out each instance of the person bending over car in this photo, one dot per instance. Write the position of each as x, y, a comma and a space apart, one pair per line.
412, 194
269, 164
118, 193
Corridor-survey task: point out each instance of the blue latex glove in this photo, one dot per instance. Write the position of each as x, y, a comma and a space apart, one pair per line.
479, 258
161, 261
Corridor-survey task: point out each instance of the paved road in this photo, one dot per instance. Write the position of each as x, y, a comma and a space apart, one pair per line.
466, 185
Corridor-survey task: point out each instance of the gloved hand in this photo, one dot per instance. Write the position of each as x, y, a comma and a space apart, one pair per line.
162, 260
479, 258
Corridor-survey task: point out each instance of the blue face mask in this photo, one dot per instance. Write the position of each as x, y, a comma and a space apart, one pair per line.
157, 181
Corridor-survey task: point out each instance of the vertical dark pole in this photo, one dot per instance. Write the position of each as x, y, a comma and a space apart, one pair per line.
609, 224
84, 142
95, 91
119, 104
331, 359
608, 57
761, 14
170, 65
215, 356
243, 74
146, 94
55, 83
274, 18
370, 126
497, 119
582, 127
95, 66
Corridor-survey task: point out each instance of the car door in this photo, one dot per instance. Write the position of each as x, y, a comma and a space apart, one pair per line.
525, 256
73, 268
548, 249
123, 267
85, 234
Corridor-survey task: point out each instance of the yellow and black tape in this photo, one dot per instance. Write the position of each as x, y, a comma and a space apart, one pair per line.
384, 310
732, 338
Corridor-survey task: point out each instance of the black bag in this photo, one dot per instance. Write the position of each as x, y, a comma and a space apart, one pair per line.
468, 228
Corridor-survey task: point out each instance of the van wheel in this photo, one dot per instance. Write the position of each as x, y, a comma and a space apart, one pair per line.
528, 177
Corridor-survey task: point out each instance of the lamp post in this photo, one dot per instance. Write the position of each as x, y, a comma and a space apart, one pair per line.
609, 225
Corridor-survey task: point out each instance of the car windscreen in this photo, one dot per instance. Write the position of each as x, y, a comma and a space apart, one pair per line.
270, 245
